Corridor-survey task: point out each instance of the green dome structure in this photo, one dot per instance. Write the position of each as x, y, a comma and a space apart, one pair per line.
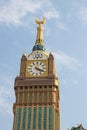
39, 47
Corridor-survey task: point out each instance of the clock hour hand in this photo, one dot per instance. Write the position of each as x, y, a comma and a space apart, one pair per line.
39, 69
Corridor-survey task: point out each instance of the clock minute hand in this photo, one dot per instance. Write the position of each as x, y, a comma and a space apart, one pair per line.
39, 69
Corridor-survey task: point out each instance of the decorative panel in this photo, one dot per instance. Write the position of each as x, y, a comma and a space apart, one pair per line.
56, 120
34, 118
20, 97
45, 97
30, 97
50, 118
29, 117
24, 119
45, 117
40, 97
25, 97
35, 97
19, 110
39, 117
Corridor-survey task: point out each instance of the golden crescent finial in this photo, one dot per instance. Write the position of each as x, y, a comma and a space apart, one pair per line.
40, 22
39, 39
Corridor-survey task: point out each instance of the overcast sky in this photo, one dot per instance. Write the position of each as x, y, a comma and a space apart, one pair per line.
65, 35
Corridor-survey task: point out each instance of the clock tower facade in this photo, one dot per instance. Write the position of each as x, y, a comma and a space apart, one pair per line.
36, 89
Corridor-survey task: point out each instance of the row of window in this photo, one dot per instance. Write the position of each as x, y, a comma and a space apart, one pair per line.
34, 115
48, 97
26, 87
35, 104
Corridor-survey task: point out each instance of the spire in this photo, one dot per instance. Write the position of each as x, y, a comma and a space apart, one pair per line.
39, 45
39, 38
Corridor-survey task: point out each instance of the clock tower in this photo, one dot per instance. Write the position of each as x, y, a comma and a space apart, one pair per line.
36, 89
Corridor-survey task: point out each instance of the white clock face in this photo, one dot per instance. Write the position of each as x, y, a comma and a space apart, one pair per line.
36, 68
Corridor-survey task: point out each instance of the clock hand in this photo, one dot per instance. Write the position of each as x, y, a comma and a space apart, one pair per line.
39, 69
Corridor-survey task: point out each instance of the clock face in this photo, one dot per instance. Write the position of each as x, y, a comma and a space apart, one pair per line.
36, 68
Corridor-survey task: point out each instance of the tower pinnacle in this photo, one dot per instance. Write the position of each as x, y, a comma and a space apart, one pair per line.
39, 38
39, 45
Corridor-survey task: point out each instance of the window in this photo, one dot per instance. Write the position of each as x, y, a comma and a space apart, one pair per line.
21, 87
24, 119
26, 87
29, 117
45, 117
18, 118
39, 117
34, 118
50, 118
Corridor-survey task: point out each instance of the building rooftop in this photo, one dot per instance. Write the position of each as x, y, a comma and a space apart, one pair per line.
79, 127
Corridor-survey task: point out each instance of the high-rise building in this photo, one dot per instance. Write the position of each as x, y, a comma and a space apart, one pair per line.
36, 89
